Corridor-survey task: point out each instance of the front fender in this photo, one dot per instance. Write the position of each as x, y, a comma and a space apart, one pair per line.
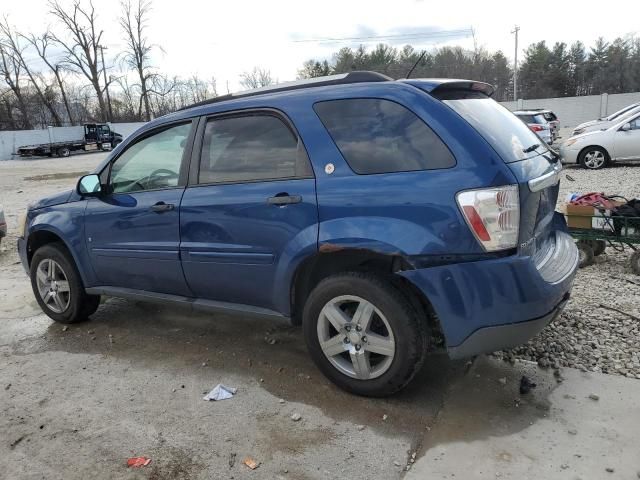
66, 222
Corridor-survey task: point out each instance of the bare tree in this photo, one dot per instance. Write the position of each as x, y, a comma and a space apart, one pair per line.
82, 49
11, 41
41, 44
133, 23
258, 77
10, 71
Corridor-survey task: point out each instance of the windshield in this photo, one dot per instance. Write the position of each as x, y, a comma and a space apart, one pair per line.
615, 115
506, 133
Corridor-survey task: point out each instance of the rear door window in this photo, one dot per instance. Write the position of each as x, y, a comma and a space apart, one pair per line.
505, 132
381, 136
251, 148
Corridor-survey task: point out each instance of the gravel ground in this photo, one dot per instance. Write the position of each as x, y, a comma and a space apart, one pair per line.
589, 335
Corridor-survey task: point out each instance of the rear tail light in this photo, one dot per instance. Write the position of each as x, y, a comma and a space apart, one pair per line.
493, 214
536, 128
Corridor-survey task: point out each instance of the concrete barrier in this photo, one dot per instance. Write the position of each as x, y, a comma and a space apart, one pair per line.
573, 111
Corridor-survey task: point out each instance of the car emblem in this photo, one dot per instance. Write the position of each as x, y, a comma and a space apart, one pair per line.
329, 168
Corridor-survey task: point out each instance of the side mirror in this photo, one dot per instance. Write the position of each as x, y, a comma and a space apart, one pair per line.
626, 127
89, 186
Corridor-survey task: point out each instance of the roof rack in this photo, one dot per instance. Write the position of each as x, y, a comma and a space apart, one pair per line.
339, 79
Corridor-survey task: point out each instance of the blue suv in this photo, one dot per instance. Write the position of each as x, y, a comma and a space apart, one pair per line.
388, 218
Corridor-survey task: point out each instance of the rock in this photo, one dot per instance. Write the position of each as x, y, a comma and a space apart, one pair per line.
609, 470
281, 400
595, 397
564, 466
397, 463
65, 328
296, 417
502, 380
361, 427
384, 417
572, 431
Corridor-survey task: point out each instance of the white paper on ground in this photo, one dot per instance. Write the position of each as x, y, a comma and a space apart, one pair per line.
220, 392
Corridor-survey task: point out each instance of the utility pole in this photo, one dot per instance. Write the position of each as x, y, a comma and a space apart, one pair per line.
515, 66
106, 85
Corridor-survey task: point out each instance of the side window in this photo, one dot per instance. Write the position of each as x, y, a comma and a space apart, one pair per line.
249, 148
381, 136
152, 163
635, 124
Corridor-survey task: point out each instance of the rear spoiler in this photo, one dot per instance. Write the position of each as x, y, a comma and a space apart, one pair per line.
441, 87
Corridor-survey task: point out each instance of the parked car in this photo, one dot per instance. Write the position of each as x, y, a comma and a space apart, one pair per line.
605, 122
597, 149
388, 218
3, 224
537, 123
552, 120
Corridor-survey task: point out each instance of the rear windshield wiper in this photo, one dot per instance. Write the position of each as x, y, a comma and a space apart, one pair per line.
533, 147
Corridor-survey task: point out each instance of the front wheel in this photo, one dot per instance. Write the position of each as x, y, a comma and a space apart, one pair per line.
63, 152
57, 285
363, 334
594, 158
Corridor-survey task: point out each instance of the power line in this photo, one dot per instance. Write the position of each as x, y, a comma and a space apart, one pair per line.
467, 32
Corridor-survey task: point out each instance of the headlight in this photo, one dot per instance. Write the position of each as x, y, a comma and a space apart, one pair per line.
22, 224
578, 131
570, 142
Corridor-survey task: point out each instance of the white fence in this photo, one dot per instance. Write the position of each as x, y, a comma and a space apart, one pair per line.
11, 140
572, 111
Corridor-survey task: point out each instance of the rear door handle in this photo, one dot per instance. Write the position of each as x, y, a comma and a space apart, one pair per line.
161, 207
284, 199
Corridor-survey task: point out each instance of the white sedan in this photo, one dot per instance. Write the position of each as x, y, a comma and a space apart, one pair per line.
605, 122
597, 149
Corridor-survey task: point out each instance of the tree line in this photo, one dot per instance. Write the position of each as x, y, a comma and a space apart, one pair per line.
544, 72
61, 76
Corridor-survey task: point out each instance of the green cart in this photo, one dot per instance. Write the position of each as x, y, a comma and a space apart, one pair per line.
613, 231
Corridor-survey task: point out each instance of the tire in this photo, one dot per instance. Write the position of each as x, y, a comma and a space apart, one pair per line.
593, 158
63, 152
599, 246
586, 254
394, 323
635, 262
68, 303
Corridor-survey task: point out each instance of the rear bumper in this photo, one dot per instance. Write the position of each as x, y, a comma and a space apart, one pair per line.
491, 339
22, 253
491, 304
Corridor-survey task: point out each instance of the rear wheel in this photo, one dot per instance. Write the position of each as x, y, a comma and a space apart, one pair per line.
635, 262
58, 287
363, 334
594, 158
63, 152
599, 246
586, 254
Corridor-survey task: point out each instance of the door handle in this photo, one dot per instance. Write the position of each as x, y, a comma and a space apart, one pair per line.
161, 207
282, 199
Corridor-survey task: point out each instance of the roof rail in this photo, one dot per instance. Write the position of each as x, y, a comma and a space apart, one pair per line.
339, 79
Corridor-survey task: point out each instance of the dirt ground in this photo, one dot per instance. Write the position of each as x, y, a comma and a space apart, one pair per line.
76, 402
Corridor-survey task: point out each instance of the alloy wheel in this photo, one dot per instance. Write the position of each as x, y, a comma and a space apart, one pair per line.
356, 337
53, 285
594, 159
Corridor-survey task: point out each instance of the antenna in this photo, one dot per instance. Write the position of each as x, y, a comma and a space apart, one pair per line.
424, 52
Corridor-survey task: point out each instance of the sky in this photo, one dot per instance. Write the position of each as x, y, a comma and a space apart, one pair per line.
223, 38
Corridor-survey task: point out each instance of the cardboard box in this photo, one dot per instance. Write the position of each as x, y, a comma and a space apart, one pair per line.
587, 217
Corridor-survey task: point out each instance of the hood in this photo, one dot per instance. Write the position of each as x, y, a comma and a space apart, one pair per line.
56, 199
588, 124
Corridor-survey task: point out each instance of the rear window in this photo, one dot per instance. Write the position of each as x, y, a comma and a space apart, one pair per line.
526, 118
550, 116
506, 133
381, 136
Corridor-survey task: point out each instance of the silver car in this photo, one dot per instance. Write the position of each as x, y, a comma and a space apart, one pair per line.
597, 149
605, 122
537, 123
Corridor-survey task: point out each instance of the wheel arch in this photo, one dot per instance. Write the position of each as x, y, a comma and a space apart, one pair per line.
329, 262
46, 236
583, 150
